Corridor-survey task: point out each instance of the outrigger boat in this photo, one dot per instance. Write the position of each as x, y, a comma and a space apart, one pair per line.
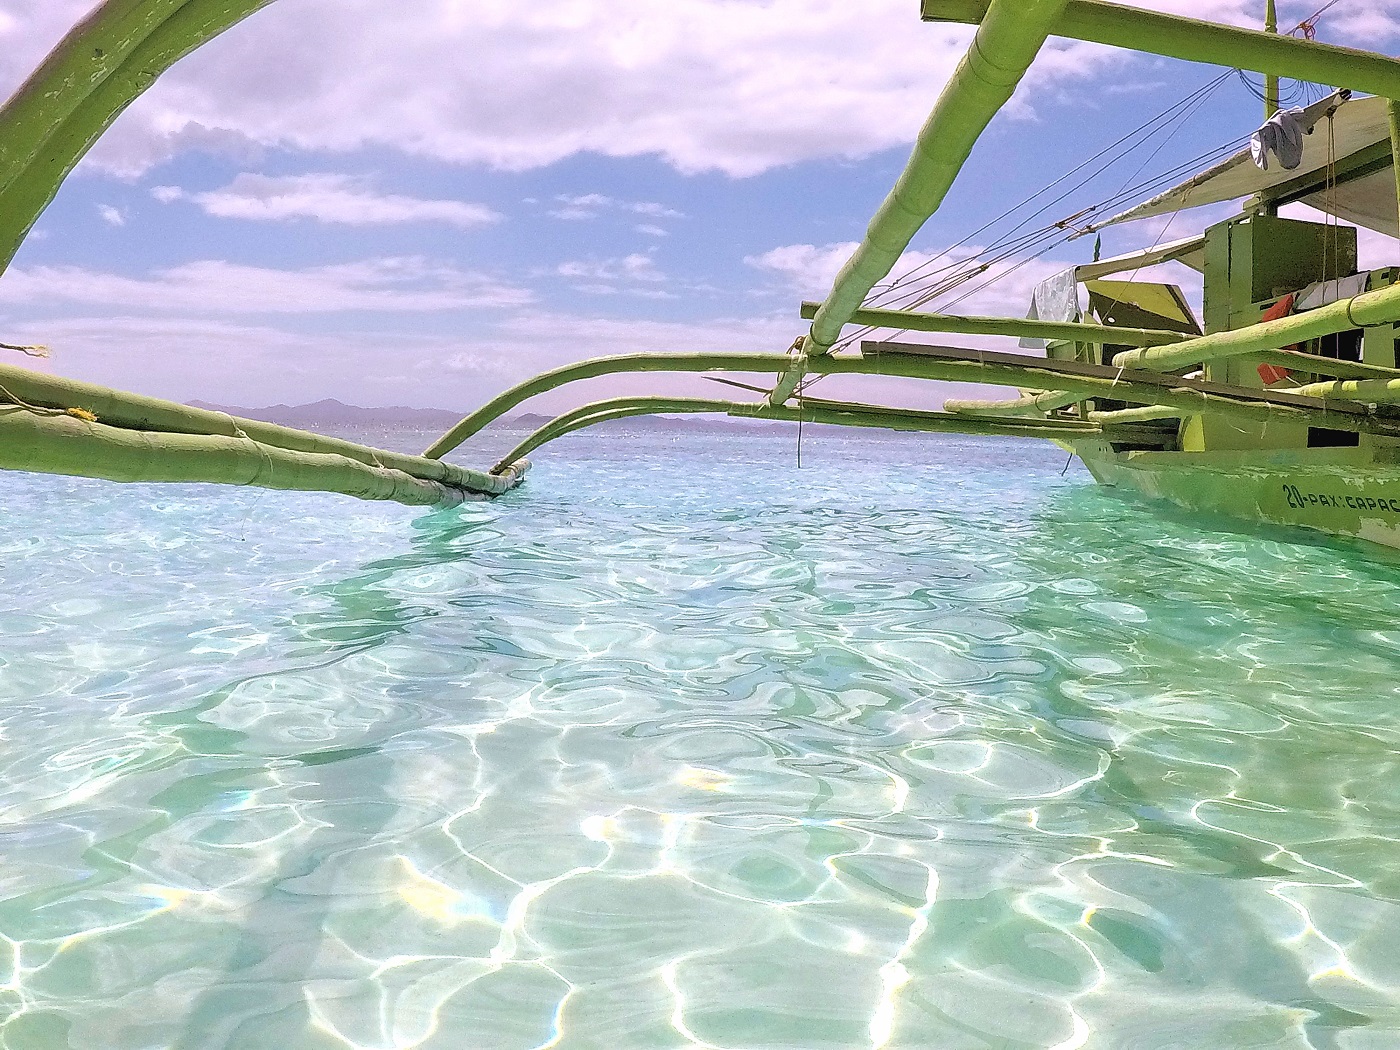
1284, 407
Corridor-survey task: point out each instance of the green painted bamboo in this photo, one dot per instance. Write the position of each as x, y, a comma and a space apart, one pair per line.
600, 412
1007, 40
910, 420
1367, 391
600, 366
1270, 79
1175, 36
1015, 327
1194, 401
137, 412
89, 53
1392, 112
1032, 405
1146, 414
62, 444
1364, 311
81, 110
1323, 366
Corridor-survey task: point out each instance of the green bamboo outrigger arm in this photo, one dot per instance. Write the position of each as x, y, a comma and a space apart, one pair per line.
1039, 404
1012, 370
97, 70
1176, 36
600, 366
837, 413
1136, 387
64, 444
600, 412
1014, 327
1367, 310
811, 411
1008, 38
136, 412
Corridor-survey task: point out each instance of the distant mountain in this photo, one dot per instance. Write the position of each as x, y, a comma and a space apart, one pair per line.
333, 413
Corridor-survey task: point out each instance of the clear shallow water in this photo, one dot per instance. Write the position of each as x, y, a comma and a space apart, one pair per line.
925, 745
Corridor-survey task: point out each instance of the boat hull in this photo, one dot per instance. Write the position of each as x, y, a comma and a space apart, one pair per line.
1341, 491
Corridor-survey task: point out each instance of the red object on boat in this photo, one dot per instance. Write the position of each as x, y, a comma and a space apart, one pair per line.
1271, 374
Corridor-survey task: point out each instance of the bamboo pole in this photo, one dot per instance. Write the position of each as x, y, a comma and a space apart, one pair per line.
1366, 310
63, 444
1176, 36
1009, 36
910, 420
1266, 407
138, 412
1014, 327
600, 412
102, 64
1367, 391
994, 369
1392, 112
592, 368
1031, 405
1146, 414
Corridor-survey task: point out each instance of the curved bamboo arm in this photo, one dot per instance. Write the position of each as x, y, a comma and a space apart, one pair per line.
600, 366
601, 412
96, 71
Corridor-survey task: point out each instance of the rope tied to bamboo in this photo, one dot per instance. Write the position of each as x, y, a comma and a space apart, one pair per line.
77, 413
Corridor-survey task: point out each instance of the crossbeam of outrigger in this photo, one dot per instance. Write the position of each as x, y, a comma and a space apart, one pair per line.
106, 61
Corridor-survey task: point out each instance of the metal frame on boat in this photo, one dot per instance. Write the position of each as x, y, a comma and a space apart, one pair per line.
1313, 442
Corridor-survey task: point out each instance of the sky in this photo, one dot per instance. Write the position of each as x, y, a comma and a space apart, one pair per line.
421, 203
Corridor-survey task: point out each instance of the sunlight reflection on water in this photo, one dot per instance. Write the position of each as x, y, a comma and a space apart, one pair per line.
923, 745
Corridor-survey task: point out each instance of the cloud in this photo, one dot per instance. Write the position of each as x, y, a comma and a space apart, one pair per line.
110, 215
651, 231
634, 267
591, 205
213, 286
326, 198
706, 85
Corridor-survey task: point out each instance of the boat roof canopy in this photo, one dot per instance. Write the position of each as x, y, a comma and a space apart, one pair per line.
1351, 136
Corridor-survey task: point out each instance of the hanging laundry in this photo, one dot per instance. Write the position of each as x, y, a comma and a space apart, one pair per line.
1281, 135
1055, 299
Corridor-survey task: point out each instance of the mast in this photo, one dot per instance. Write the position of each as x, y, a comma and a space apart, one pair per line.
1270, 79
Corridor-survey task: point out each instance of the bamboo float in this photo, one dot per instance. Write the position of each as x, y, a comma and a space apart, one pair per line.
137, 412
64, 444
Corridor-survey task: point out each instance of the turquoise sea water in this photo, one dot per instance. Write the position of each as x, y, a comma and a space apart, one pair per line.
924, 745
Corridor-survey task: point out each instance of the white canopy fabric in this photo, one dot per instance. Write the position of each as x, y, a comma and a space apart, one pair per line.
1355, 124
1190, 251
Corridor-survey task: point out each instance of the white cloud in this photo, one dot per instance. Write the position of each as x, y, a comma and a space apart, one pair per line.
591, 205
110, 215
634, 267
213, 286
326, 198
737, 87
651, 231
